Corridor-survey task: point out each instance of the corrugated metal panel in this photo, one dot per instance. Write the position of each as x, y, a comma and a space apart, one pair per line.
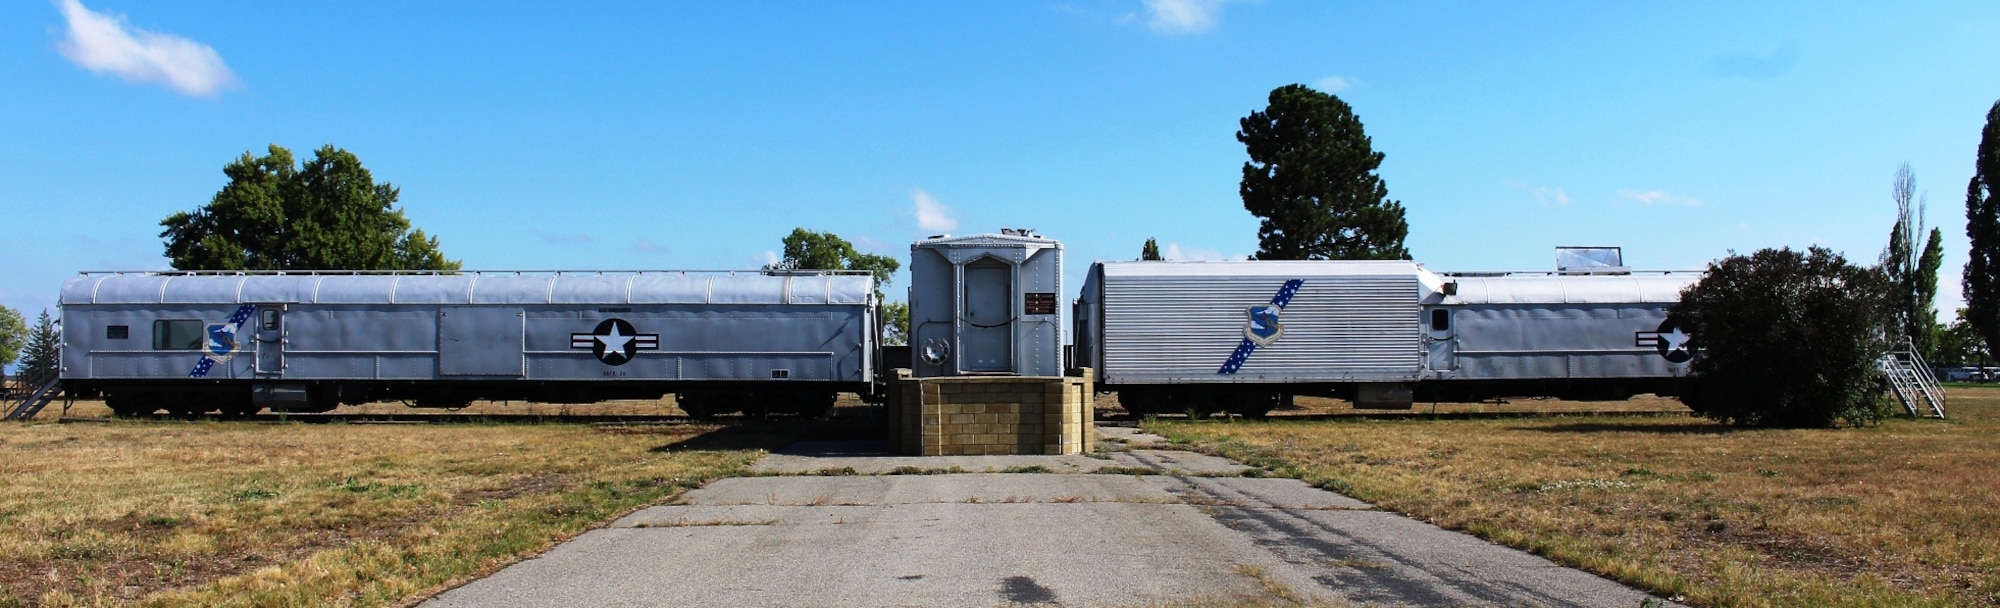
1182, 328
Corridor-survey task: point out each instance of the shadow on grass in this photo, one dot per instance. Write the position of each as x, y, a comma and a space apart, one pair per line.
768, 437
1635, 427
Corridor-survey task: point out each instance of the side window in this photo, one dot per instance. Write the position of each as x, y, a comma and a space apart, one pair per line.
1440, 319
177, 334
269, 320
117, 332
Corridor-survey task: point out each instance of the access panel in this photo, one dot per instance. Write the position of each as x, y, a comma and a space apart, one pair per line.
480, 340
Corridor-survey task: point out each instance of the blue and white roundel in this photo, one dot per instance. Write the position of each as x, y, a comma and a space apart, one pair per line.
1264, 326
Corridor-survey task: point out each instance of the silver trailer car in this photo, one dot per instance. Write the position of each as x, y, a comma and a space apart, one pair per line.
306, 342
1574, 336
1247, 336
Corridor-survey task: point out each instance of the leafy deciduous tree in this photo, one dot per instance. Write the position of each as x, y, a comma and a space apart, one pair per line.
1982, 228
329, 214
1912, 273
1787, 338
896, 316
13, 334
1311, 182
808, 250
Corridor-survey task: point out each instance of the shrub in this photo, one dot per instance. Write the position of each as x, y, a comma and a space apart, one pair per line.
1787, 338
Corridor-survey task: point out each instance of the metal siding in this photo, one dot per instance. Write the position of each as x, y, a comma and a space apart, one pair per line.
480, 341
1181, 328
383, 340
1549, 341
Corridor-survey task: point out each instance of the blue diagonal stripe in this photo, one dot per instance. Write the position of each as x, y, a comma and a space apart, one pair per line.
1243, 350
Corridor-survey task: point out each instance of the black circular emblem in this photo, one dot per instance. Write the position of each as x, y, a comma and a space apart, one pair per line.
1673, 343
614, 342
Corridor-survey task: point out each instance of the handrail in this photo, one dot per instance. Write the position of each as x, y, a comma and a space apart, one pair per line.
558, 272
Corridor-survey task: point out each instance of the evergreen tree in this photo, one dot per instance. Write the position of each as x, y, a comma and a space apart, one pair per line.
1311, 182
1151, 252
1982, 228
42, 359
329, 214
1928, 265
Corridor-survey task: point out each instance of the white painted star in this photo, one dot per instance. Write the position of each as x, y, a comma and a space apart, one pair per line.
1676, 340
614, 343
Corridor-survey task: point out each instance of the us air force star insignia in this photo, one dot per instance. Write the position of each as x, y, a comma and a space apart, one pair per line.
1264, 326
1669, 340
614, 341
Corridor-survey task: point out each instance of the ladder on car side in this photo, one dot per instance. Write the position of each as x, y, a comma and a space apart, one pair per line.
35, 401
1911, 381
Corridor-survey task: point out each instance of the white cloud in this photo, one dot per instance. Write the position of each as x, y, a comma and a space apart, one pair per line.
1332, 84
1175, 252
1543, 194
105, 43
932, 216
1660, 197
647, 246
1183, 16
765, 260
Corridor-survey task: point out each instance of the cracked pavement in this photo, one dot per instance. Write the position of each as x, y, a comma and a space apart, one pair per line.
828, 524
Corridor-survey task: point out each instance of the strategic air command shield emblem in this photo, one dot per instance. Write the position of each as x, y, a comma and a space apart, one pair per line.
1264, 326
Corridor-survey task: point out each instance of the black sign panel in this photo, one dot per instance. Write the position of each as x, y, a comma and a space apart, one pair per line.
1040, 303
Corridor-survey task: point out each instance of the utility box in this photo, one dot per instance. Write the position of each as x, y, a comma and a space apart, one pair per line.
986, 305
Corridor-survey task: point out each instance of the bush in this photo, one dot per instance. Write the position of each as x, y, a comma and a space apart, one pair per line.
1787, 338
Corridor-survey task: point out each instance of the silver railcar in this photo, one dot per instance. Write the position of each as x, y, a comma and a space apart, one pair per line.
1247, 336
308, 342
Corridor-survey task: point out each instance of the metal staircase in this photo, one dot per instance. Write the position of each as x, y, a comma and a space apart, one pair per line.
1911, 381
35, 401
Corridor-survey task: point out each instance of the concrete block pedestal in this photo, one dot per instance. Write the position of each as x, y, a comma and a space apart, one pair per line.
975, 415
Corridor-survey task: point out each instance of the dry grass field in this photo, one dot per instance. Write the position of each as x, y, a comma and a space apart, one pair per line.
1903, 514
239, 513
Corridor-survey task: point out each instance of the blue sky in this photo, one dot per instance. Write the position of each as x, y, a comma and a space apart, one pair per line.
694, 135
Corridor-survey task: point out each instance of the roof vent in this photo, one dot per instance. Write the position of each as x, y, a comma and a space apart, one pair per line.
1591, 260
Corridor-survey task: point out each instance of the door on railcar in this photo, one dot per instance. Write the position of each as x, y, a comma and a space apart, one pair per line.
1440, 340
270, 333
989, 315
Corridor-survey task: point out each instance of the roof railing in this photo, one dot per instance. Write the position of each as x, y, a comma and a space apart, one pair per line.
321, 273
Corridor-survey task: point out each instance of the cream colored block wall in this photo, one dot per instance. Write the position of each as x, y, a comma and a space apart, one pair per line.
973, 415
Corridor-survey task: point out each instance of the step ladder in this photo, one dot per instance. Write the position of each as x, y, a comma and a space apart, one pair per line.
35, 401
1911, 381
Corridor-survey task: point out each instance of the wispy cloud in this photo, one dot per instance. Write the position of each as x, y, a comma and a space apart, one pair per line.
932, 216
766, 259
106, 43
647, 246
1175, 252
1752, 66
1660, 197
1183, 16
1332, 84
1546, 195
557, 238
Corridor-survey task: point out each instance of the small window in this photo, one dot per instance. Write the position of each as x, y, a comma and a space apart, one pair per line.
1440, 319
177, 335
270, 319
781, 374
117, 332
